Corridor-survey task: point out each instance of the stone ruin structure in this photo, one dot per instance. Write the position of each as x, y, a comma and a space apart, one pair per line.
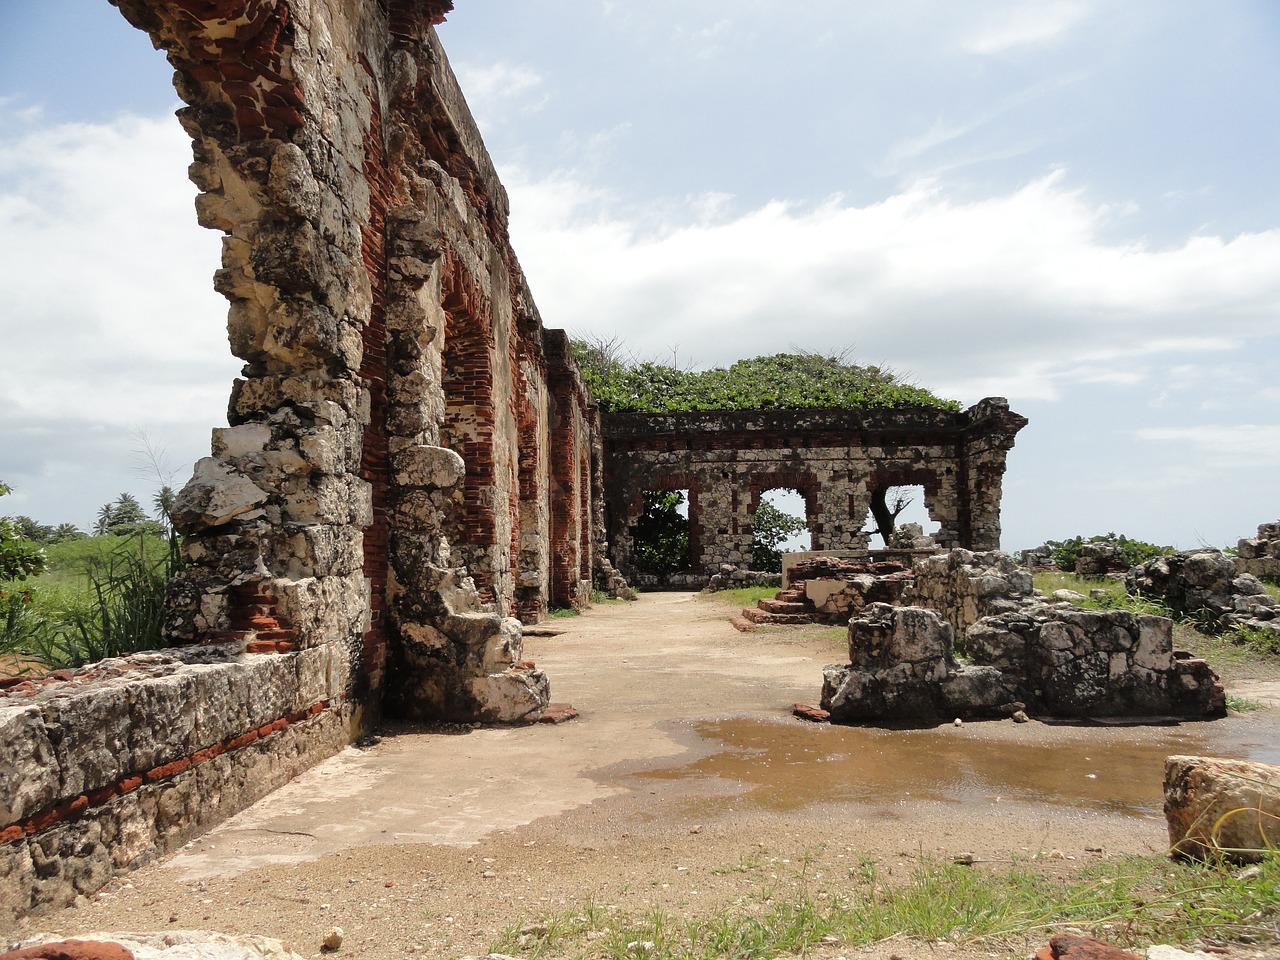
1024, 656
1207, 586
412, 465
1260, 556
835, 459
411, 460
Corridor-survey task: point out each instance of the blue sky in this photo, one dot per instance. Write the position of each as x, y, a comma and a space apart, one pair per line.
1069, 203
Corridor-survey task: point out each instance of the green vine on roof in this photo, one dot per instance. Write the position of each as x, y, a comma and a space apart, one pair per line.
784, 381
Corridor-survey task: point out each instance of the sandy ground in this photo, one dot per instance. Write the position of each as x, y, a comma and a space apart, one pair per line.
685, 785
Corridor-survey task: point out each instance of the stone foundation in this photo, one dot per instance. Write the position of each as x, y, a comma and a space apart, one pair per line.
1024, 656
113, 764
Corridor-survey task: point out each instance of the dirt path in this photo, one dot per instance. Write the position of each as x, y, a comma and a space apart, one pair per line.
685, 785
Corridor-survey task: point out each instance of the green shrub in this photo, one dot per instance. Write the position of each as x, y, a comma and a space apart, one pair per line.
1066, 552
770, 528
661, 536
784, 381
108, 601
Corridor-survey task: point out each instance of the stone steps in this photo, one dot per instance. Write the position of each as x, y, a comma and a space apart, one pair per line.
758, 616
777, 605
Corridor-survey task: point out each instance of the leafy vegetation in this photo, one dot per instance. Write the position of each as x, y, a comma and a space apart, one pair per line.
19, 558
103, 599
1066, 552
1262, 642
661, 536
784, 381
769, 529
78, 599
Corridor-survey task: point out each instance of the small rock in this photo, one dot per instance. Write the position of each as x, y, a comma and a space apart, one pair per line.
333, 939
957, 722
807, 711
488, 874
1067, 946
964, 859
1020, 716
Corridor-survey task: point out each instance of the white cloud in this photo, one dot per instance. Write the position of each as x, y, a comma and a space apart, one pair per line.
110, 321
1253, 444
494, 90
1020, 289
1025, 23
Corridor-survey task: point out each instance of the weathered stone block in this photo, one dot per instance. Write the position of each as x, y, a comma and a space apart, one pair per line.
272, 692
28, 766
216, 494
163, 719
1216, 807
514, 696
90, 736
425, 466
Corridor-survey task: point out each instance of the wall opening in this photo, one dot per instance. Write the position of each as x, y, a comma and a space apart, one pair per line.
660, 537
781, 524
896, 511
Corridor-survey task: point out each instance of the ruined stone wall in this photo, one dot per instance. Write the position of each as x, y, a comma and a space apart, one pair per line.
397, 439
380, 502
107, 766
1260, 556
834, 459
1025, 655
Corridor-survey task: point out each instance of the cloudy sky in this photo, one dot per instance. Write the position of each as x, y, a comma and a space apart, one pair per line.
1069, 203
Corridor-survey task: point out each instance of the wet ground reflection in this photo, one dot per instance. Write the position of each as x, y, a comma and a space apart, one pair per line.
784, 764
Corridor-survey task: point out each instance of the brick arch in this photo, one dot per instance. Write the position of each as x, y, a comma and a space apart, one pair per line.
470, 418
802, 482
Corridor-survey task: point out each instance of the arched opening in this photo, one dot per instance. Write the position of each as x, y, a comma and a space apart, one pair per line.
780, 525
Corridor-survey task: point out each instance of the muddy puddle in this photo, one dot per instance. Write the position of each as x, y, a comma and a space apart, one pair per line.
786, 765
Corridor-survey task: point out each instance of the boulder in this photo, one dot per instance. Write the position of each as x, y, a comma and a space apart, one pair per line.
1227, 808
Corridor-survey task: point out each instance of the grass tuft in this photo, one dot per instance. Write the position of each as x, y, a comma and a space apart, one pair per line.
1128, 901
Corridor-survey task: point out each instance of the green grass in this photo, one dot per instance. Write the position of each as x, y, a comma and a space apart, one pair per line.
1238, 704
563, 613
1113, 594
100, 597
739, 596
1128, 901
1263, 643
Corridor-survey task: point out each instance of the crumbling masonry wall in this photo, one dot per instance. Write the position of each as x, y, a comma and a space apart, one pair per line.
404, 443
390, 464
835, 459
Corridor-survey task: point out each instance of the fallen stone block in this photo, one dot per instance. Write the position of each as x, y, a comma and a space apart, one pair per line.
1222, 808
